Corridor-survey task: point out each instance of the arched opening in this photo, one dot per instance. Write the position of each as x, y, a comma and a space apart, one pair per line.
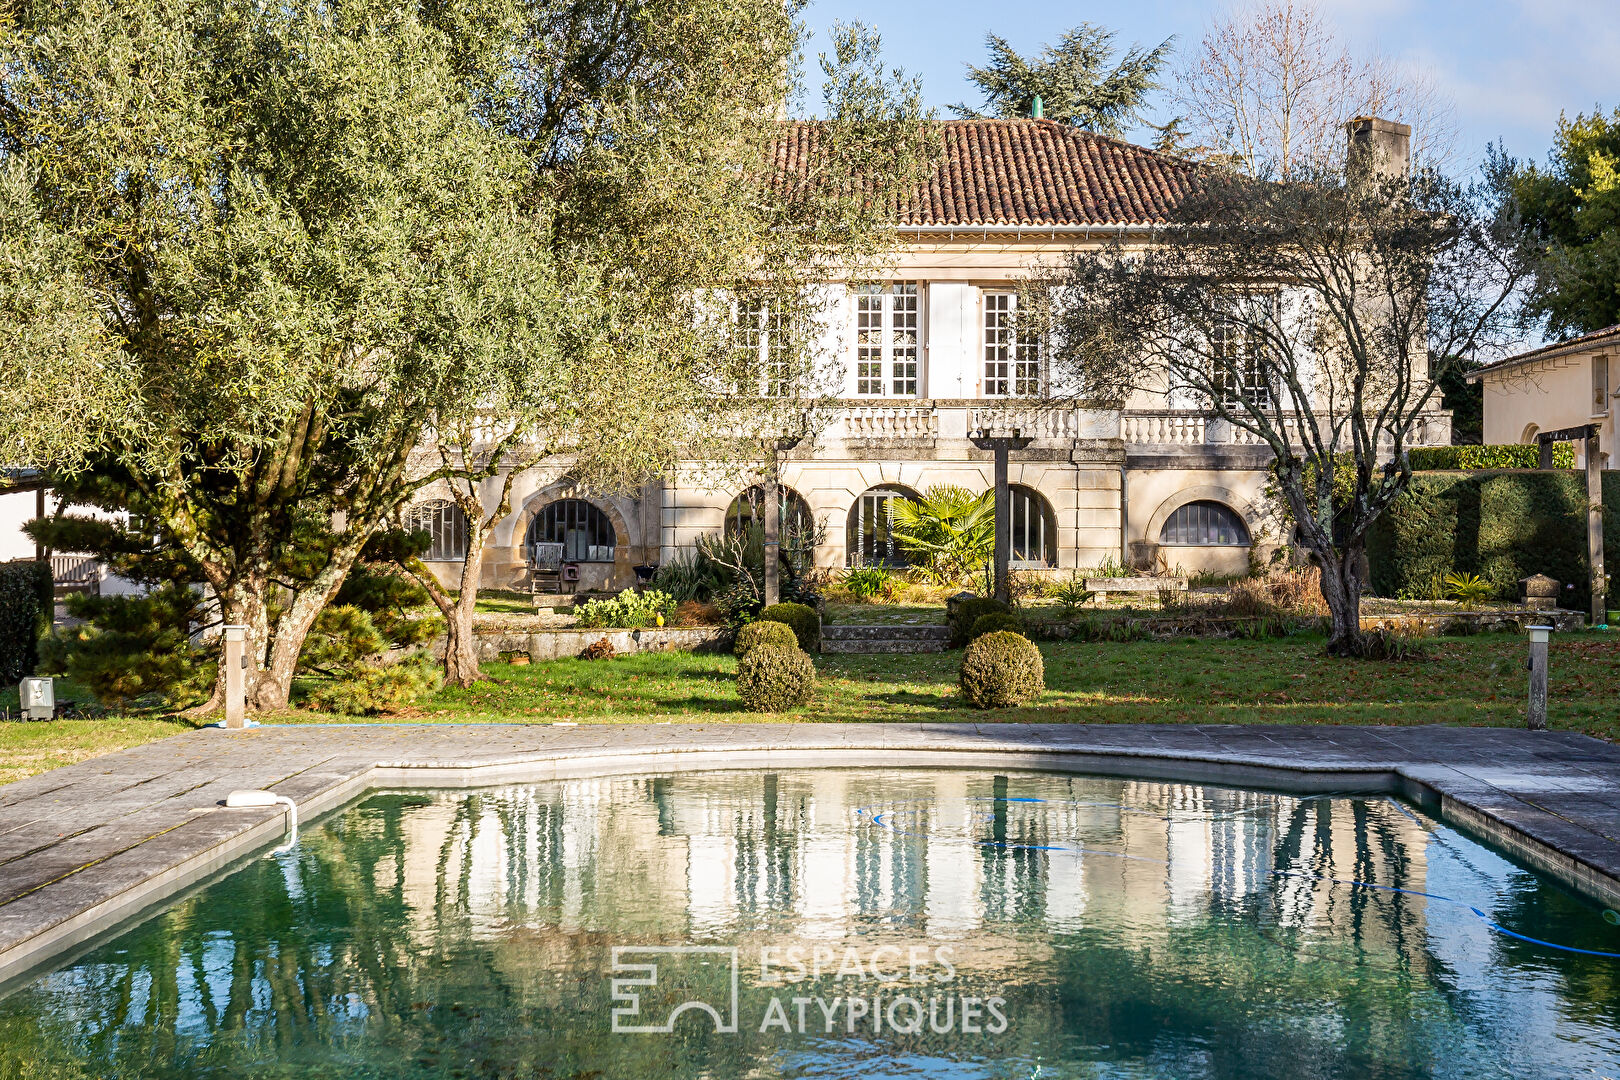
442, 520
749, 507
869, 538
585, 532
1529, 435
1034, 528
1204, 524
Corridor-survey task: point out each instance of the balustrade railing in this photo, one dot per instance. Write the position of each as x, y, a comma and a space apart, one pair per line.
1032, 423
890, 422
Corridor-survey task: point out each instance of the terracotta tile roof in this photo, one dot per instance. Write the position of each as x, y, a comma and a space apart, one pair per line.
1608, 335
1028, 173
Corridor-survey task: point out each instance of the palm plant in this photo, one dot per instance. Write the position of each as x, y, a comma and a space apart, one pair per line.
947, 533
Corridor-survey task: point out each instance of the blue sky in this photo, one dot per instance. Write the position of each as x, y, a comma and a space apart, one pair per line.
1509, 65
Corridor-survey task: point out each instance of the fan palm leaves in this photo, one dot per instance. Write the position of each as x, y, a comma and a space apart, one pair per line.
947, 533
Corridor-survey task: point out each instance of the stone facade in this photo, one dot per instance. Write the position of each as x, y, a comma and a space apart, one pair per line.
1021, 194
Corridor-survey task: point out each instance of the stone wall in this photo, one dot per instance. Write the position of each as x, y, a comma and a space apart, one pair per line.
562, 644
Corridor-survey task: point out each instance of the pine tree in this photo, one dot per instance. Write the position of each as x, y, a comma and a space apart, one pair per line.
1081, 80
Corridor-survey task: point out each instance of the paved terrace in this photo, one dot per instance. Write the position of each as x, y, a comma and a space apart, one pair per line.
90, 844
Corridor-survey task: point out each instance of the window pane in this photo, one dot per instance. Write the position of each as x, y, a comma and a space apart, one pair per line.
585, 532
887, 324
1012, 358
903, 339
1034, 529
1204, 524
444, 522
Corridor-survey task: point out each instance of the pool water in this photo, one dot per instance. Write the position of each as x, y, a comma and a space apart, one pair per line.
835, 923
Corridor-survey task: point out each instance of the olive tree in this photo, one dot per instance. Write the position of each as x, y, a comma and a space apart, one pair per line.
1316, 315
257, 254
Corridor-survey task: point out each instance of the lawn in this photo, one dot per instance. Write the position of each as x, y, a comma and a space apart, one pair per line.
1471, 680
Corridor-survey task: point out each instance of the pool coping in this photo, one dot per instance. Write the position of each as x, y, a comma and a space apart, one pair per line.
1551, 800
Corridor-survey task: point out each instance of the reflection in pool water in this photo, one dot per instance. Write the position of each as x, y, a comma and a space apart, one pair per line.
883, 923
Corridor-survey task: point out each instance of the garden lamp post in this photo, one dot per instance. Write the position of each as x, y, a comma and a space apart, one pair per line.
1537, 720
1002, 445
773, 519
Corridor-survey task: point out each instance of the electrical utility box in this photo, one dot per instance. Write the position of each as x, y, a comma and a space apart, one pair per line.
38, 698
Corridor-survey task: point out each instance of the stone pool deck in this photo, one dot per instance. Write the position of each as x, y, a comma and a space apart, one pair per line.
87, 845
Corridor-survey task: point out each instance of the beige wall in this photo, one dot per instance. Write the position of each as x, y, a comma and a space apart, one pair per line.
1158, 493
1550, 395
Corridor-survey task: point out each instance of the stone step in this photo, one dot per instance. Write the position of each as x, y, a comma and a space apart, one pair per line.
895, 638
897, 631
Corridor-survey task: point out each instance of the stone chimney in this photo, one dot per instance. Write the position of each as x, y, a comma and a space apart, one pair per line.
1382, 147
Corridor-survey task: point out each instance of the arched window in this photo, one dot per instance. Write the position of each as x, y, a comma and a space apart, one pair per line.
444, 521
1205, 524
870, 538
1034, 528
750, 506
585, 532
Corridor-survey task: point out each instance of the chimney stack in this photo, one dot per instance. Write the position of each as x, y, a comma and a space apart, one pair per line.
1382, 147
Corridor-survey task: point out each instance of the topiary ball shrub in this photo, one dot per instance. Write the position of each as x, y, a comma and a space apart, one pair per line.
994, 622
805, 622
964, 612
756, 634
771, 678
1001, 669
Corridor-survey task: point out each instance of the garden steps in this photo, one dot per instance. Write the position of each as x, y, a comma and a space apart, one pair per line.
892, 638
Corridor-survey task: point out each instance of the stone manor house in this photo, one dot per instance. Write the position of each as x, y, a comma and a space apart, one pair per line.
931, 355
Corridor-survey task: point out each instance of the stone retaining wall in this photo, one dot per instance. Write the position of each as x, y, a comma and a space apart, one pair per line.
559, 644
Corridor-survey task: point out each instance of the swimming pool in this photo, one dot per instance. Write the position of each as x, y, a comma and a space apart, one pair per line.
842, 922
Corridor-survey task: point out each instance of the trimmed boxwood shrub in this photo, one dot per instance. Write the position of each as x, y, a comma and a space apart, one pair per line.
771, 632
803, 620
996, 621
27, 608
1001, 669
771, 678
967, 611
1502, 526
1515, 456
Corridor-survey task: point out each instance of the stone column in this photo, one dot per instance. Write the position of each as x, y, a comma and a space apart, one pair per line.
1003, 525
773, 534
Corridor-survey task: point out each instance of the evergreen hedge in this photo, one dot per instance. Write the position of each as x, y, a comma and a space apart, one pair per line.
1519, 456
1503, 526
996, 621
803, 620
27, 609
962, 614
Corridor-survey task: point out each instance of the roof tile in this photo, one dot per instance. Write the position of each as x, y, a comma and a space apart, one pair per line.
1029, 173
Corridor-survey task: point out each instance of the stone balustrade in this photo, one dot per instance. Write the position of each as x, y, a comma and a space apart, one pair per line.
890, 422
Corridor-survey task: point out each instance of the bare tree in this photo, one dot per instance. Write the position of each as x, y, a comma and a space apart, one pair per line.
1269, 87
1316, 315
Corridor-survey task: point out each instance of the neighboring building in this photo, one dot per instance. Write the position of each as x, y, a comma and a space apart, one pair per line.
1564, 385
927, 355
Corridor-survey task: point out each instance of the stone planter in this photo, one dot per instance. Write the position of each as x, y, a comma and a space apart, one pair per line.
1539, 592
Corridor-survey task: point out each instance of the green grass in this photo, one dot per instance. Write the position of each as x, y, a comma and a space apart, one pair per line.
1464, 681
33, 747
1474, 680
